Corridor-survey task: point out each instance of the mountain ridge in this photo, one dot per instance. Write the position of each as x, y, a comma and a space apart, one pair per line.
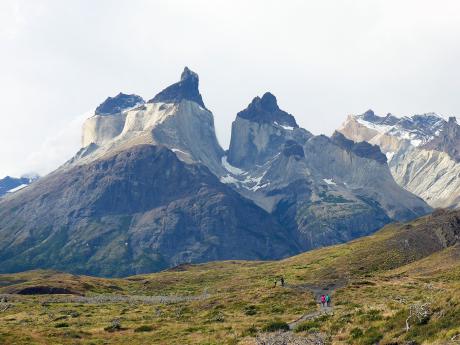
376, 282
121, 188
422, 152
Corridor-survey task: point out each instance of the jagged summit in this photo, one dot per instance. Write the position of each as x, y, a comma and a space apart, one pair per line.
418, 129
186, 88
448, 140
154, 186
187, 73
370, 116
361, 149
119, 103
266, 110
423, 152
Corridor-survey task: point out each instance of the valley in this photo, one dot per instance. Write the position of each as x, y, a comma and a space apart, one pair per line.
375, 281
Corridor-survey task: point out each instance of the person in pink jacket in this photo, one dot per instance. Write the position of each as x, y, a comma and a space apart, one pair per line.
323, 300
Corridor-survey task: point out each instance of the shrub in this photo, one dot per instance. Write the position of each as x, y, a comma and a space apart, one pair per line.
374, 315
356, 333
115, 325
61, 325
250, 331
144, 328
277, 309
276, 326
371, 336
323, 318
216, 316
72, 334
307, 326
74, 313
250, 310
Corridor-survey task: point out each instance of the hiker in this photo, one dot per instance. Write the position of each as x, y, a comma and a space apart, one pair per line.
328, 300
323, 300
282, 281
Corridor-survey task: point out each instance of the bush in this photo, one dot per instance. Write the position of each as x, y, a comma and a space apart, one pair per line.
374, 315
276, 326
114, 326
307, 326
356, 333
250, 310
323, 318
371, 336
216, 316
72, 334
144, 328
61, 325
74, 313
277, 309
250, 331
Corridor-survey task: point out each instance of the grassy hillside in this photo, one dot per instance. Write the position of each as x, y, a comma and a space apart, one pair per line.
375, 282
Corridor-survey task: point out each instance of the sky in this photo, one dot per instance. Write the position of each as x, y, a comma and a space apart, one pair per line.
322, 59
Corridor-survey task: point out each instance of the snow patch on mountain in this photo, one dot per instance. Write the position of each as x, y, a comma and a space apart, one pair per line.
289, 128
230, 168
229, 179
417, 129
417, 151
390, 155
17, 188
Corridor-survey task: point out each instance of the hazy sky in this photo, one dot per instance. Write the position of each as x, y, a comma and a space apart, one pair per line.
322, 59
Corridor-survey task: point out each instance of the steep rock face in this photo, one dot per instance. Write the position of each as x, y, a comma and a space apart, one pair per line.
109, 118
361, 149
152, 188
422, 152
176, 118
118, 104
186, 88
137, 211
326, 190
260, 131
430, 174
448, 140
100, 129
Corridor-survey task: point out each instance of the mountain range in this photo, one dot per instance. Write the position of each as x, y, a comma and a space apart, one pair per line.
396, 286
423, 152
10, 184
151, 187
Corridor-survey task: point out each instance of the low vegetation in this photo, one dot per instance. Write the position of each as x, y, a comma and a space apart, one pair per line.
380, 294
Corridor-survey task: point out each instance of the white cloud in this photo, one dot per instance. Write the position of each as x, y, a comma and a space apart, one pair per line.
54, 150
57, 148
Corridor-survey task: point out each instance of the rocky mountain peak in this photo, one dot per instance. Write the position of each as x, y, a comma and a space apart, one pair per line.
186, 88
118, 104
417, 129
452, 120
266, 110
187, 73
448, 140
361, 149
269, 102
369, 115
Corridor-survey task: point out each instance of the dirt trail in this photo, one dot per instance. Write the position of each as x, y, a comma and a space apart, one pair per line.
317, 292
